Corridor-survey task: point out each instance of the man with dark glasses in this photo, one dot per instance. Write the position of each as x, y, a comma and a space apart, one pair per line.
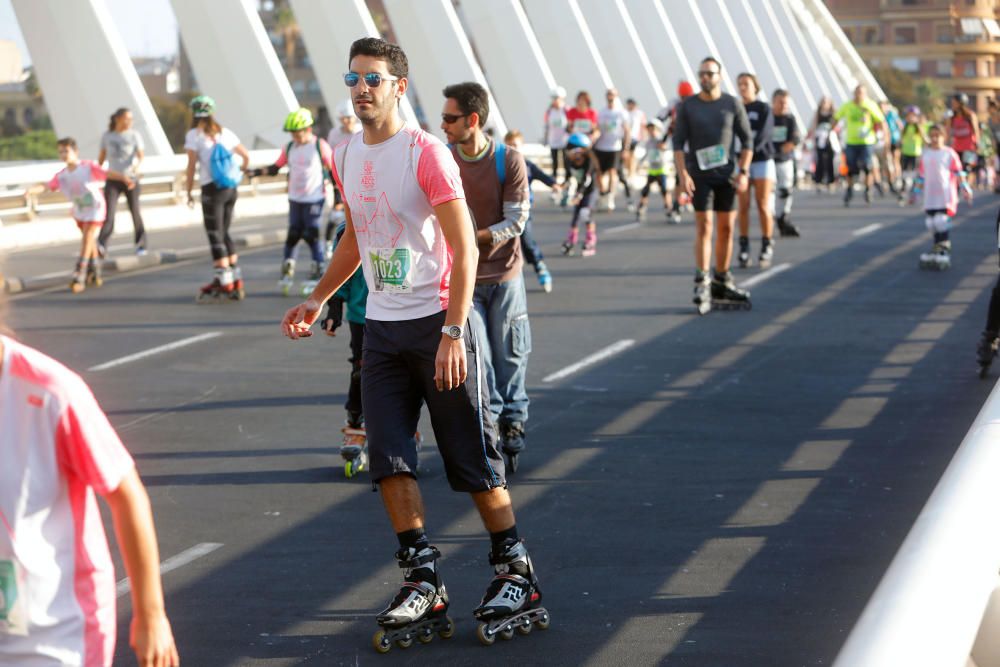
705, 130
409, 229
495, 179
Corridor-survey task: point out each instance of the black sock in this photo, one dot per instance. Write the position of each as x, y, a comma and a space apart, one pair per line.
498, 539
415, 538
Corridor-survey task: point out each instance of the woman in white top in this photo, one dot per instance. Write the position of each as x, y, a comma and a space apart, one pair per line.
208, 144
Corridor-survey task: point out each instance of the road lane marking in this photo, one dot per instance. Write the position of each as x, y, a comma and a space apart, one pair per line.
765, 275
173, 563
598, 356
621, 228
867, 229
54, 274
156, 350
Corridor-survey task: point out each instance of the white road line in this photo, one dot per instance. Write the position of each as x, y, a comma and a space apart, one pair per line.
868, 229
764, 275
598, 356
54, 274
621, 228
156, 350
173, 563
249, 228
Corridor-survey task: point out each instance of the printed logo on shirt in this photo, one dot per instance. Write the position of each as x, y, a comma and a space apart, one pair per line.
35, 400
368, 175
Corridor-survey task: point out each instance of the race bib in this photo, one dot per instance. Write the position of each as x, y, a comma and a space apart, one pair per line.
712, 157
13, 609
391, 270
780, 134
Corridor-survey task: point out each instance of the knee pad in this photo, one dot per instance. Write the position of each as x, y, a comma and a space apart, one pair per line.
784, 193
942, 223
310, 234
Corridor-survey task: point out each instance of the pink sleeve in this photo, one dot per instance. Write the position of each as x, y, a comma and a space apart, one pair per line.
956, 162
97, 172
88, 447
326, 153
920, 169
438, 174
282, 159
53, 183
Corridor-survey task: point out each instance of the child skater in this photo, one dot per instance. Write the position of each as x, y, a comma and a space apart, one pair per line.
583, 167
656, 159
941, 174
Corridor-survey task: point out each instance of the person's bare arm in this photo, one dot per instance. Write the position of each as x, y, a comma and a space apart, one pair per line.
120, 177
242, 152
684, 179
345, 261
150, 635
189, 175
140, 155
101, 156
450, 365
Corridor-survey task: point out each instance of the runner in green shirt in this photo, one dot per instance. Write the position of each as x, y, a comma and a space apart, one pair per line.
861, 119
914, 137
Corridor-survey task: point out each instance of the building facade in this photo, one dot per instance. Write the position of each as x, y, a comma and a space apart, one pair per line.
955, 42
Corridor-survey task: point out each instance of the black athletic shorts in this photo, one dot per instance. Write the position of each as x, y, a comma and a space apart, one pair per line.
909, 162
608, 160
397, 377
714, 193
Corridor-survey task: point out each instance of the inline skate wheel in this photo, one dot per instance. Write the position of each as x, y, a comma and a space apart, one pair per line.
543, 622
449, 631
426, 636
524, 628
380, 643
486, 638
405, 643
507, 633
349, 470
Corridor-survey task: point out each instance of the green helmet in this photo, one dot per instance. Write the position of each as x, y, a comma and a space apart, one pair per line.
202, 106
299, 119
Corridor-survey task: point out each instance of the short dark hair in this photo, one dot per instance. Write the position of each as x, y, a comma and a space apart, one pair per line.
471, 98
711, 59
383, 50
69, 142
752, 77
779, 92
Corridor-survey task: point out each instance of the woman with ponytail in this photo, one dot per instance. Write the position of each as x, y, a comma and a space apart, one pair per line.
122, 147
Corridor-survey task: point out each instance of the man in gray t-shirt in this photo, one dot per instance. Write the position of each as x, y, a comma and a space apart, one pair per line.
123, 148
705, 130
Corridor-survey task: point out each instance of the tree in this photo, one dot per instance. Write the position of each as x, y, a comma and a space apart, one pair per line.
930, 99
899, 86
173, 115
289, 29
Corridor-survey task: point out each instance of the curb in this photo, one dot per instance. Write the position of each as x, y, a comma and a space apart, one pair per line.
17, 284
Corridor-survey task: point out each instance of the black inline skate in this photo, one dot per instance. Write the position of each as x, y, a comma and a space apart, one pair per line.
987, 351
726, 295
702, 293
420, 609
512, 442
744, 254
785, 226
513, 599
766, 253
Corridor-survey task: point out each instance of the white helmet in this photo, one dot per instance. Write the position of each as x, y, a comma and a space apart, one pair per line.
345, 109
558, 91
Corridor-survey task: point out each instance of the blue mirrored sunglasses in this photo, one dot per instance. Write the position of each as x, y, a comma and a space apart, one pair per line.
372, 79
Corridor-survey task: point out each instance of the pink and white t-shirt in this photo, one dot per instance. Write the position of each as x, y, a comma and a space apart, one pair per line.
84, 187
391, 189
306, 170
57, 583
940, 168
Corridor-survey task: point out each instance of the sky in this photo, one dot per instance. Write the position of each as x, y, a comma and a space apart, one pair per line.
147, 26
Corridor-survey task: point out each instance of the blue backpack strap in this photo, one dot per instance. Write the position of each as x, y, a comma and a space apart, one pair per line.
500, 158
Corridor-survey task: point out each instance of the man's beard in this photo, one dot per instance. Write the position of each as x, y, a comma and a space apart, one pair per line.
377, 111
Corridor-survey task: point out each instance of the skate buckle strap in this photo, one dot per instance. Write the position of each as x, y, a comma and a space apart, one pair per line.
419, 560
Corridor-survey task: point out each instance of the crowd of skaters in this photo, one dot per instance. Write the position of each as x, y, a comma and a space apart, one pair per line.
439, 305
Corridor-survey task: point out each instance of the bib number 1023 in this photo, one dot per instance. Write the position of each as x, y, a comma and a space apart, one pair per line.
391, 269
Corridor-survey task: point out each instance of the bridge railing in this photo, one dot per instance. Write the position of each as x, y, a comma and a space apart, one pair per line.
938, 604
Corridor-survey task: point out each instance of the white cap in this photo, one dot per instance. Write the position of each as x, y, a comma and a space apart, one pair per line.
558, 91
345, 109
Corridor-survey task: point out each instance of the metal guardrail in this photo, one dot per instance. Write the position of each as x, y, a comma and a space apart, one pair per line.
938, 604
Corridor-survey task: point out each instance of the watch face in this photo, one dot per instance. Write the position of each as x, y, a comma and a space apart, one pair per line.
455, 331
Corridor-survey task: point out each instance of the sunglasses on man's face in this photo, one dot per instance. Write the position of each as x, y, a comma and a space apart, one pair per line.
372, 79
707, 74
452, 117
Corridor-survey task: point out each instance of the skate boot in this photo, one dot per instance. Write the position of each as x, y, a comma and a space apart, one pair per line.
544, 277
513, 599
726, 295
512, 442
94, 278
79, 281
354, 450
420, 608
569, 245
702, 293
589, 248
744, 254
239, 288
987, 351
766, 253
221, 288
675, 214
938, 259
785, 226
314, 275
287, 277
640, 214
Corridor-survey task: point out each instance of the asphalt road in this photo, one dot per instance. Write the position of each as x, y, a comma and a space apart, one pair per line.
727, 490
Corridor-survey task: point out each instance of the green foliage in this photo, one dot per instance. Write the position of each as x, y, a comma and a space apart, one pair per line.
36, 145
903, 90
173, 115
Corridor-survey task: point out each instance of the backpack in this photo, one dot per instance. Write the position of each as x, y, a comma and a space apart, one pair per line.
225, 172
499, 159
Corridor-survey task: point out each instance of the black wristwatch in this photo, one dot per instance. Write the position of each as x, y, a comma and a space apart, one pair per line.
453, 331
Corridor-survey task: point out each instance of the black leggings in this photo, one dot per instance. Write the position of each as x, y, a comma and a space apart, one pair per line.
825, 173
217, 210
558, 156
112, 190
353, 405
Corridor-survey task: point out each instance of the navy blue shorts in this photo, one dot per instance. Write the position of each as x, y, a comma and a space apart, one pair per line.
859, 158
397, 377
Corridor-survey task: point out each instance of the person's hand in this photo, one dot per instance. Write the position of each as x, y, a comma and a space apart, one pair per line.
450, 365
742, 182
687, 184
334, 316
129, 183
787, 147
190, 199
153, 642
299, 318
